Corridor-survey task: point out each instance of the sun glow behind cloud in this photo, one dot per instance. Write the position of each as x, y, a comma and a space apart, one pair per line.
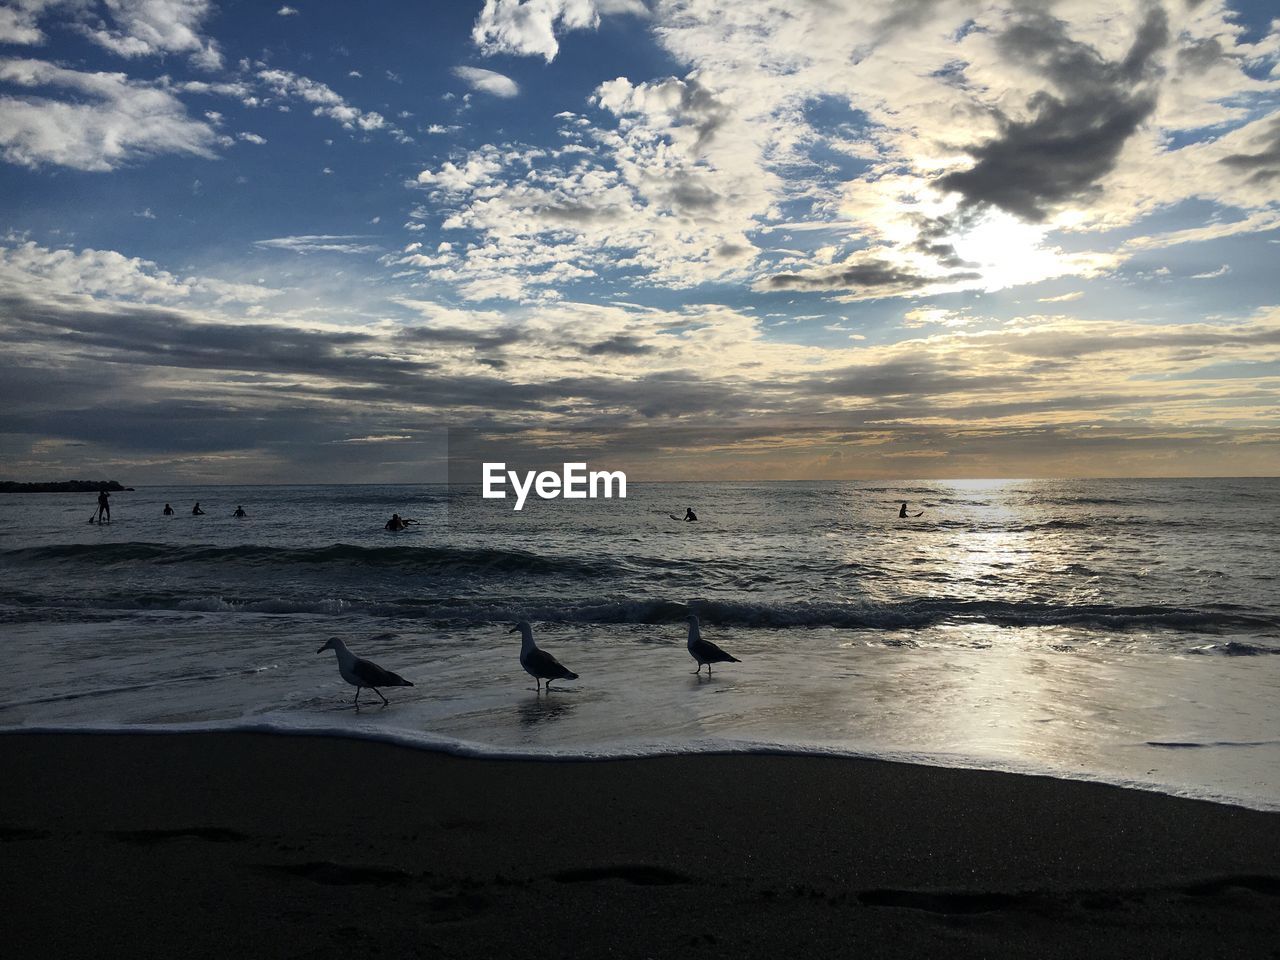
1009, 252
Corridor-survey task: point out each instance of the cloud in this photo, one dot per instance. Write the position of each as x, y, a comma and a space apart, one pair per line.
487, 81
878, 275
971, 131
813, 152
116, 331
1262, 164
319, 243
1222, 271
529, 27
19, 20
59, 274
1075, 131
108, 121
287, 12
325, 102
156, 27
666, 187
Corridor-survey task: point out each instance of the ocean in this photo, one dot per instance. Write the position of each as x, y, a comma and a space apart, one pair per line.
1124, 631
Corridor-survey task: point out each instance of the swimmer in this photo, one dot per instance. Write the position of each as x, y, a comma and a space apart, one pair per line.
168, 510
239, 514
396, 523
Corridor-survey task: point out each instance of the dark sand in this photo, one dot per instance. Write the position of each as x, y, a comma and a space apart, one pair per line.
226, 845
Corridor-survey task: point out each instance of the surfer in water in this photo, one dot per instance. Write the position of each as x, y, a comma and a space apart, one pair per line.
168, 510
397, 523
104, 507
689, 515
239, 514
196, 511
902, 512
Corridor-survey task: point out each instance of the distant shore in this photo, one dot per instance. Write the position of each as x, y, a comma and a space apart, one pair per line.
63, 486
227, 844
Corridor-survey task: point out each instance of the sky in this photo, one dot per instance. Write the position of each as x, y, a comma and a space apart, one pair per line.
783, 239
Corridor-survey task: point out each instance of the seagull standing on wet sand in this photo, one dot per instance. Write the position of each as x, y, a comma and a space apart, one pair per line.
362, 673
704, 651
538, 663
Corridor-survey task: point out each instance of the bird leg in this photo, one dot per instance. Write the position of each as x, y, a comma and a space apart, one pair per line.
699, 670
548, 686
380, 696
357, 699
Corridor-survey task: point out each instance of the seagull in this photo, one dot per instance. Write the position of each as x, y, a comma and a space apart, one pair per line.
704, 651
538, 663
362, 673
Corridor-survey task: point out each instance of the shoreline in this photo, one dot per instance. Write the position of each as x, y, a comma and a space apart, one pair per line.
462, 749
202, 844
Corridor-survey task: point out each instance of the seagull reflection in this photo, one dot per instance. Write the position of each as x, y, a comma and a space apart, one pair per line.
543, 710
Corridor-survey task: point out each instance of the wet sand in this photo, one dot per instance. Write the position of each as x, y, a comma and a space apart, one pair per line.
216, 845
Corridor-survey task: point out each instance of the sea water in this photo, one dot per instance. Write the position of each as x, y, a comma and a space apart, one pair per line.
1117, 630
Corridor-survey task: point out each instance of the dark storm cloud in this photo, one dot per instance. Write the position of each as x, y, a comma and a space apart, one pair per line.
931, 234
1199, 55
76, 378
576, 214
1075, 134
689, 194
356, 365
159, 337
1263, 165
1069, 344
905, 15
915, 377
700, 108
876, 274
183, 427
457, 336
620, 345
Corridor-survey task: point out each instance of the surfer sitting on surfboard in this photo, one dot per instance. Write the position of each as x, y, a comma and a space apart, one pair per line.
396, 523
902, 513
689, 515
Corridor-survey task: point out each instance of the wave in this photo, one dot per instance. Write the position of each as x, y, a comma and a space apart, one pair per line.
1235, 648
1197, 744
851, 615
412, 559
